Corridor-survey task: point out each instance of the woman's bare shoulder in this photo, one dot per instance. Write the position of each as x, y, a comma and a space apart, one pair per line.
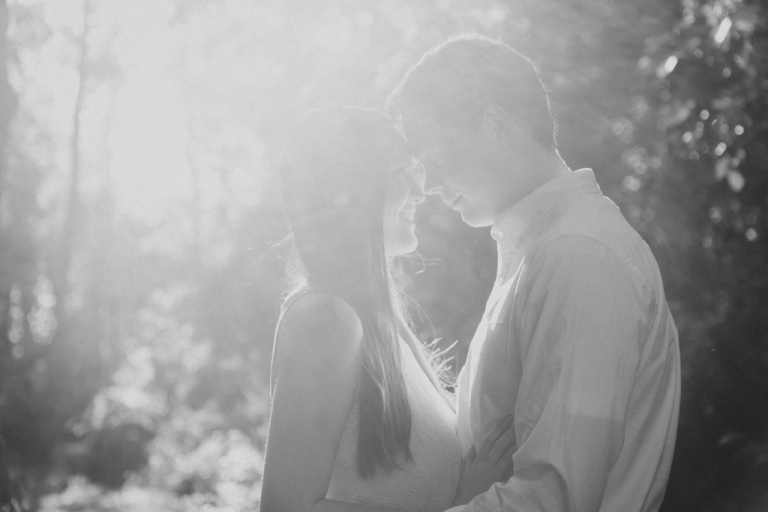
320, 321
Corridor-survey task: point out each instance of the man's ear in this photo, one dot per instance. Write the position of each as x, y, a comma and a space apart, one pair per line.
496, 124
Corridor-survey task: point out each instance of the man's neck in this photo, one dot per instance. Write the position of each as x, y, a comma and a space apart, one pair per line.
550, 165
543, 166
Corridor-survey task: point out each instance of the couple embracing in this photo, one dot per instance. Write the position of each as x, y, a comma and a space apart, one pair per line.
569, 396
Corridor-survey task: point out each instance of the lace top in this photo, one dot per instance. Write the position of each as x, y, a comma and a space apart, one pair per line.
429, 480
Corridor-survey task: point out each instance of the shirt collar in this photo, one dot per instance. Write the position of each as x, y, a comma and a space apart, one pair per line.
529, 217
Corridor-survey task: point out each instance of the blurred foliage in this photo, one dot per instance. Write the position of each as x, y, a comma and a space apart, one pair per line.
135, 343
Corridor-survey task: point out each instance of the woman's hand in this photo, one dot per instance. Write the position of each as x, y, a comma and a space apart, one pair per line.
491, 464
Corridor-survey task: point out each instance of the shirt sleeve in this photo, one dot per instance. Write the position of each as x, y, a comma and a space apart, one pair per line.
580, 318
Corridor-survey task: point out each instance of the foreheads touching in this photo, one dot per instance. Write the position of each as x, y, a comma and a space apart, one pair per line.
477, 116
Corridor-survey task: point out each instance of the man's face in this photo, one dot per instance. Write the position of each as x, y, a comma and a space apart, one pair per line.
470, 172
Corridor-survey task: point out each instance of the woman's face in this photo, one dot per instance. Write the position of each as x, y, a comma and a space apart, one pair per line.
403, 194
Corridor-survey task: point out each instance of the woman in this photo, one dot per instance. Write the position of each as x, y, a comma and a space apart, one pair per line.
359, 418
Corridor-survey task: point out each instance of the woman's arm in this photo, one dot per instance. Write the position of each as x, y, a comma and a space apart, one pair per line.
317, 368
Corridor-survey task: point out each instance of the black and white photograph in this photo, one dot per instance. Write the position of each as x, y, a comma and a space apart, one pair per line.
384, 256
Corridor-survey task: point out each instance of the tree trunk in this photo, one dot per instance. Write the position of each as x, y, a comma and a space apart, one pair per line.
72, 215
9, 500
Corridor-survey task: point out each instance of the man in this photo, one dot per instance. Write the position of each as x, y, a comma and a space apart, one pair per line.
577, 341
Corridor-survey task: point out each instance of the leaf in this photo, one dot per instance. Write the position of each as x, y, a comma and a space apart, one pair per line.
722, 168
735, 181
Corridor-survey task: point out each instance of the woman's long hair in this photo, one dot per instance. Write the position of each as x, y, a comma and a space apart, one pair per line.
334, 186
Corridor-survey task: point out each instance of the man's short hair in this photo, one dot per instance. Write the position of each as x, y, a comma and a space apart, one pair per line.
454, 81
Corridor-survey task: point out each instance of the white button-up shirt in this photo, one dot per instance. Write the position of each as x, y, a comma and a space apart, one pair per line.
578, 343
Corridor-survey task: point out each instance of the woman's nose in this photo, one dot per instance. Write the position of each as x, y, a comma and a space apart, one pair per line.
415, 190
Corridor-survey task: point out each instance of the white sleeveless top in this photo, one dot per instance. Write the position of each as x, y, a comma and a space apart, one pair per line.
429, 480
